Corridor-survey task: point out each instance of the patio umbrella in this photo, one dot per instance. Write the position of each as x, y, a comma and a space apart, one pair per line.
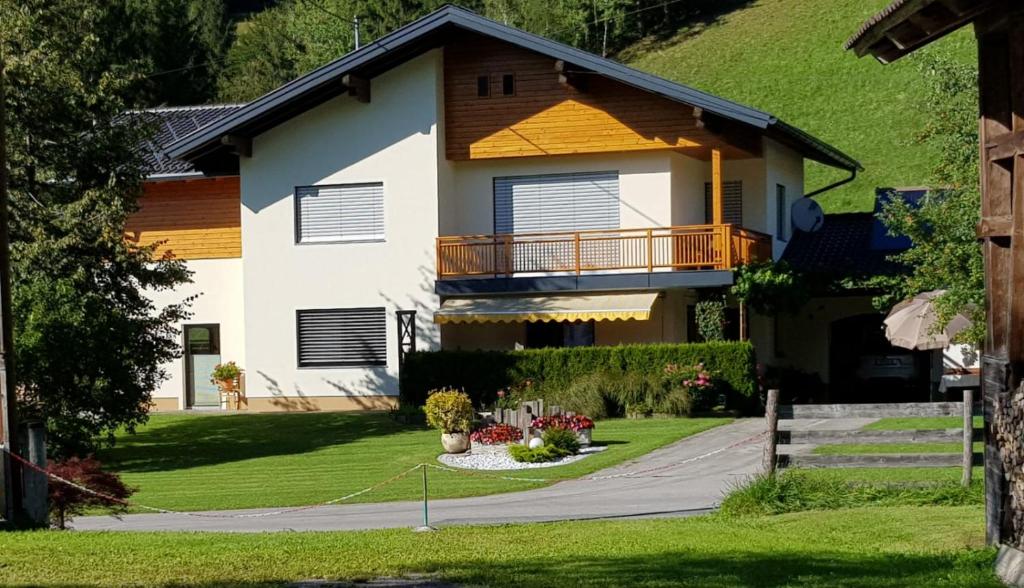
911, 324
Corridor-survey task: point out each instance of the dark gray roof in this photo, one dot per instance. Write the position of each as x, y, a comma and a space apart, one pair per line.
173, 124
429, 31
853, 244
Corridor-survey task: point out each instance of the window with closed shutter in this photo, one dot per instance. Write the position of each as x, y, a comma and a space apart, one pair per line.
350, 212
556, 202
732, 203
341, 337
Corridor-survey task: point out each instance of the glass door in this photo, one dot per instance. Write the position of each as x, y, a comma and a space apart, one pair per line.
202, 354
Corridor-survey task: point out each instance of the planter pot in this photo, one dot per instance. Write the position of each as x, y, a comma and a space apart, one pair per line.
455, 442
584, 437
481, 449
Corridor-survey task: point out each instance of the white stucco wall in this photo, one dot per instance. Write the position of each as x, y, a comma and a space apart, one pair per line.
688, 177
217, 287
395, 140
783, 166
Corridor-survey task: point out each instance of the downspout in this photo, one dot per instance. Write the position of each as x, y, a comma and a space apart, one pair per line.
853, 176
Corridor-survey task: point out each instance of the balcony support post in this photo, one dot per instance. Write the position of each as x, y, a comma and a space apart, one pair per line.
726, 246
717, 204
650, 250
576, 244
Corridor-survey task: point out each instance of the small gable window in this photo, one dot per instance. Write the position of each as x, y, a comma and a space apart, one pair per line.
483, 86
508, 85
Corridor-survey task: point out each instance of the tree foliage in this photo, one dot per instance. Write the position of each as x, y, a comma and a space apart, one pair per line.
770, 288
89, 342
946, 254
66, 501
297, 36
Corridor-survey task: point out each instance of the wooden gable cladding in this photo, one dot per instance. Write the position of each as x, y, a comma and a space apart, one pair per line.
551, 113
195, 219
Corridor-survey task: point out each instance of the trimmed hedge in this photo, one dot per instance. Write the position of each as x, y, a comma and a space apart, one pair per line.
482, 373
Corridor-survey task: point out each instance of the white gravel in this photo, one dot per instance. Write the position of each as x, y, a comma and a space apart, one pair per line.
496, 457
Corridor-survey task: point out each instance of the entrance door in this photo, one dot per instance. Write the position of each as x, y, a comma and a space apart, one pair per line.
202, 354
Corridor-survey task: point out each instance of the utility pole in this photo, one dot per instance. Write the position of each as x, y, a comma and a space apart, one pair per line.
10, 487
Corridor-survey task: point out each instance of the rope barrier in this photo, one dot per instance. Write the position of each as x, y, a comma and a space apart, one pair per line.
377, 486
204, 515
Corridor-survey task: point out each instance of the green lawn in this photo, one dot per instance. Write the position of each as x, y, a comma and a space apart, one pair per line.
889, 424
787, 57
868, 547
876, 448
206, 462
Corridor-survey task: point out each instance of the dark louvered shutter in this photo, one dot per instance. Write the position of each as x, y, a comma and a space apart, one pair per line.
342, 337
556, 202
352, 212
732, 203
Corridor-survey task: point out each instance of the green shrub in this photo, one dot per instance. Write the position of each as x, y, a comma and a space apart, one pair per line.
545, 453
450, 411
797, 490
563, 439
572, 376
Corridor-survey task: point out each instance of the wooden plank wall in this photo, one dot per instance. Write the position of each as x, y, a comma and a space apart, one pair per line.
547, 117
196, 219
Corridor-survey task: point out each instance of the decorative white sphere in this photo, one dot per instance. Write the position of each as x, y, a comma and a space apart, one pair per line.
536, 442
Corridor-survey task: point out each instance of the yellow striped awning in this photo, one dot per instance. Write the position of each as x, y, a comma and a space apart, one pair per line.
578, 307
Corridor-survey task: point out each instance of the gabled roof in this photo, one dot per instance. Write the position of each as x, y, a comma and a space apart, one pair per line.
173, 124
428, 32
852, 244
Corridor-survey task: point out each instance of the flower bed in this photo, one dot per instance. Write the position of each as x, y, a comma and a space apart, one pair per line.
496, 457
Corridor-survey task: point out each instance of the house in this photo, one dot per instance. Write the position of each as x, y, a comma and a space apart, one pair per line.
459, 184
838, 336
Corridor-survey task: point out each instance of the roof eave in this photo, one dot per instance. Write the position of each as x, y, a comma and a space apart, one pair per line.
419, 30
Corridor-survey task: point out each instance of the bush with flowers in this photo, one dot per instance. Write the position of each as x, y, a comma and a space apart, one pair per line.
500, 434
694, 382
575, 423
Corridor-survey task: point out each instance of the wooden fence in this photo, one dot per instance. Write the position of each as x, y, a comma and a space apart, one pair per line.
522, 417
789, 438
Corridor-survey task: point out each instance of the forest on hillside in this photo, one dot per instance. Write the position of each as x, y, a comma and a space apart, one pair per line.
199, 51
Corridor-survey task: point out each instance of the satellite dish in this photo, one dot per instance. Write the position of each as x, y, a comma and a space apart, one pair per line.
807, 215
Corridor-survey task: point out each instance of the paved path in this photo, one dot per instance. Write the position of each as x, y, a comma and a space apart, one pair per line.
686, 478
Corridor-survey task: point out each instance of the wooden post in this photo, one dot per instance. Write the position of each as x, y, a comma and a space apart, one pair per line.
771, 417
743, 322
10, 482
650, 250
717, 205
576, 238
968, 438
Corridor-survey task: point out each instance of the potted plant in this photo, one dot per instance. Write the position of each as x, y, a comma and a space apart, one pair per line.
225, 376
450, 411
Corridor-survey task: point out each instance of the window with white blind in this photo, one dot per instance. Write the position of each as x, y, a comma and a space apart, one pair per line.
732, 203
341, 337
556, 202
339, 213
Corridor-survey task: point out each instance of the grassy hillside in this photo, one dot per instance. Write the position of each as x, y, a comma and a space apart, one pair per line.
786, 57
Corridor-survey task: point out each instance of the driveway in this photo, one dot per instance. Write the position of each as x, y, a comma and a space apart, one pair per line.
686, 478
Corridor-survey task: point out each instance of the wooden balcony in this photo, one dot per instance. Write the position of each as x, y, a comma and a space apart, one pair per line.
696, 247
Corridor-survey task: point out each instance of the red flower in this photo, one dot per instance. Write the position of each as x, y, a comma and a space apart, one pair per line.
497, 435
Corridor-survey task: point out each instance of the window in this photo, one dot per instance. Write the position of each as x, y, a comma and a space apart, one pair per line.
483, 86
559, 334
732, 203
341, 337
781, 213
331, 214
508, 85
556, 202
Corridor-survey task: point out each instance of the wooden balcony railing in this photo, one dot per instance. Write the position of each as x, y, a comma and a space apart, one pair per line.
697, 247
